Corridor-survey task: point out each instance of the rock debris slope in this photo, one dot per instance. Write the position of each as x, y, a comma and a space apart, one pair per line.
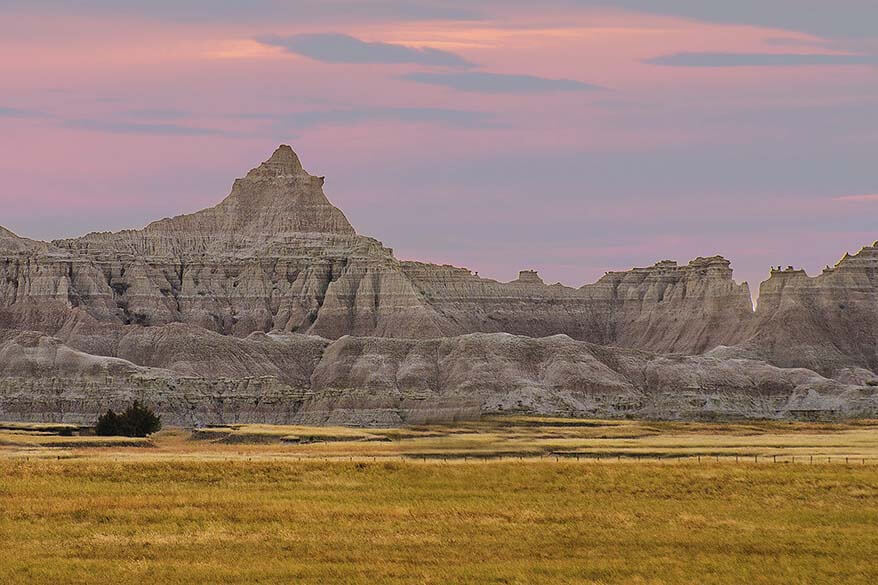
270, 307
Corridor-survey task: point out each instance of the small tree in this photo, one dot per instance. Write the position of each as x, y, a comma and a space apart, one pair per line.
108, 424
136, 421
141, 421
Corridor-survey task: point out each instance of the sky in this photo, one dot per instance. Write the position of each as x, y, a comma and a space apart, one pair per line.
571, 137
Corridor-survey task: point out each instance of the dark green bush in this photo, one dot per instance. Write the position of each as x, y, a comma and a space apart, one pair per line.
136, 421
108, 424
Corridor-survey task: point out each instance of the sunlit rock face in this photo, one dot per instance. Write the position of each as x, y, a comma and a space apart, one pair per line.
185, 300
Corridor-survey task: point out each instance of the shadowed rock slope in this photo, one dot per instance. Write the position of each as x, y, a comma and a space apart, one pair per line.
269, 306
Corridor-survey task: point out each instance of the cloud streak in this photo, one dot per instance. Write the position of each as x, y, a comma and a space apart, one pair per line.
142, 128
858, 198
261, 11
761, 60
20, 113
483, 82
341, 48
353, 116
159, 113
835, 19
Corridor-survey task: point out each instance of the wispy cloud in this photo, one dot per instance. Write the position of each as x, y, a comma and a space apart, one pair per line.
798, 42
353, 116
838, 18
340, 48
857, 198
136, 121
483, 82
20, 113
158, 113
127, 127
760, 59
295, 12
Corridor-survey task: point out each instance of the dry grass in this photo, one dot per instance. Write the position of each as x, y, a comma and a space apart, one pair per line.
253, 433
532, 437
281, 521
55, 428
525, 437
213, 511
25, 441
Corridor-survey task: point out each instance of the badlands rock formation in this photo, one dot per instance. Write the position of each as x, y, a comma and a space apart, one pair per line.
270, 307
825, 323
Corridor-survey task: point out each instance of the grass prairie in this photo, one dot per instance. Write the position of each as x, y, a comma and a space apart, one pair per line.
404, 505
492, 438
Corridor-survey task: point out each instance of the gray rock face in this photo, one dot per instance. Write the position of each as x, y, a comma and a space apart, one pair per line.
825, 323
269, 306
665, 307
275, 255
200, 378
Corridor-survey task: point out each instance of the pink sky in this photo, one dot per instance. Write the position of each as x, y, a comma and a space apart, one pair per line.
676, 133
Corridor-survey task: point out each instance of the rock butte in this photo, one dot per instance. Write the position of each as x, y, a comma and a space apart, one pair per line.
269, 307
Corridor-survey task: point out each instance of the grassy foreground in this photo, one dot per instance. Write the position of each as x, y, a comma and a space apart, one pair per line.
72, 521
216, 510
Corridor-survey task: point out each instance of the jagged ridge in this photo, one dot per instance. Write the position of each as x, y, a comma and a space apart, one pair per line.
275, 255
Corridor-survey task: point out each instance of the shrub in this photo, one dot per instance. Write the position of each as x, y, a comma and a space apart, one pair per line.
136, 421
108, 424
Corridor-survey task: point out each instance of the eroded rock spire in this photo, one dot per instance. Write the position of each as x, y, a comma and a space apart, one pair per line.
284, 162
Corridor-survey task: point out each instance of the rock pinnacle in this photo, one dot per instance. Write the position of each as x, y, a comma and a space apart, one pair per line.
284, 162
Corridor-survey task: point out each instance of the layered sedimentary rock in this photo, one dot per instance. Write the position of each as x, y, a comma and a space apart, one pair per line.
827, 322
665, 307
385, 381
182, 308
275, 255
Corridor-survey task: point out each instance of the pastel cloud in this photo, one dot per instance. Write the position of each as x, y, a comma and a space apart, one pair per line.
350, 116
159, 113
129, 127
858, 198
833, 18
341, 48
6, 112
256, 11
761, 60
484, 82
825, 18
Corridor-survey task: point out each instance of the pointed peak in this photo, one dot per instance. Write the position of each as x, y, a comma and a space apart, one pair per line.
284, 155
284, 162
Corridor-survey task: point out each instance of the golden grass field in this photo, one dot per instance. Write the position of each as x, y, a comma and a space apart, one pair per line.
645, 503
